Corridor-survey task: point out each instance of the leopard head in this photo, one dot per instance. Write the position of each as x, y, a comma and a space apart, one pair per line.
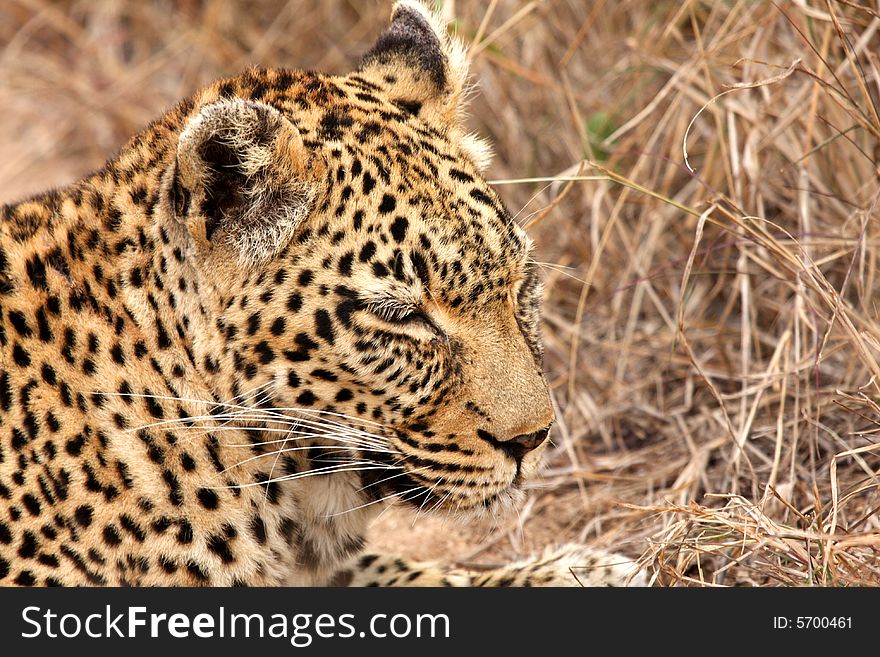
362, 271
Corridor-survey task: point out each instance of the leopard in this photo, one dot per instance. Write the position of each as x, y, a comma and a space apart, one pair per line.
290, 301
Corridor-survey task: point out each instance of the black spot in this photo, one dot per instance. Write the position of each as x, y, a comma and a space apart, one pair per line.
334, 123
294, 302
111, 535
31, 504
124, 474
324, 325
19, 440
258, 529
208, 498
52, 422
265, 352
136, 277
161, 525
253, 323
132, 528
345, 264
358, 219
117, 354
43, 326
388, 204
185, 533
219, 545
167, 564
421, 267
83, 515
398, 228
175, 493
481, 196
289, 530
409, 106
277, 328
74, 445
196, 571
460, 176
324, 375
25, 578
162, 338
48, 373
367, 252
306, 398
369, 183
21, 357
153, 406
36, 272
19, 323
5, 391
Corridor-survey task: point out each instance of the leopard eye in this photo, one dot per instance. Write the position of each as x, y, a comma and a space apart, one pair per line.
414, 317
409, 317
404, 316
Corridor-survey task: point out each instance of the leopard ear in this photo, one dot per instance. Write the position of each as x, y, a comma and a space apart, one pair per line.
243, 178
422, 67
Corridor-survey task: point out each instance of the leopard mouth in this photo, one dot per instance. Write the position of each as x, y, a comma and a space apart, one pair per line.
398, 484
428, 495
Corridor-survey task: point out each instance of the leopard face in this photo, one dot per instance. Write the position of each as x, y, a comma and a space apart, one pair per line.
363, 267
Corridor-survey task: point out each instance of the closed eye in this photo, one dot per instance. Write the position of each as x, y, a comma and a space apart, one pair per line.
401, 314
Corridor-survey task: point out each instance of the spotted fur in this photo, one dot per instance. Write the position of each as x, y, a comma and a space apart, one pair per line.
286, 301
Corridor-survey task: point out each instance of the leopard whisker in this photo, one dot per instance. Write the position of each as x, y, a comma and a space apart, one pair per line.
428, 493
277, 410
252, 392
291, 420
419, 491
528, 203
438, 504
320, 412
275, 462
192, 423
302, 435
399, 474
365, 443
302, 448
355, 466
365, 505
559, 269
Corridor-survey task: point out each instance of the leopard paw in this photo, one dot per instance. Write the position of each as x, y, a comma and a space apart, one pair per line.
567, 565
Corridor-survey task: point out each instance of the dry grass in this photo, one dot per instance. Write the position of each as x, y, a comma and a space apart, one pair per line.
712, 332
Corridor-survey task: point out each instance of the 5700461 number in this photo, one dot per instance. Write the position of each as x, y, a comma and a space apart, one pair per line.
812, 623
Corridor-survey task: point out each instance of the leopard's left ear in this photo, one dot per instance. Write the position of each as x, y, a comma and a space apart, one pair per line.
243, 179
422, 67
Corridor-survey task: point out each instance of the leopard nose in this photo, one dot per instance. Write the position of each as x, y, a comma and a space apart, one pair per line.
518, 446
